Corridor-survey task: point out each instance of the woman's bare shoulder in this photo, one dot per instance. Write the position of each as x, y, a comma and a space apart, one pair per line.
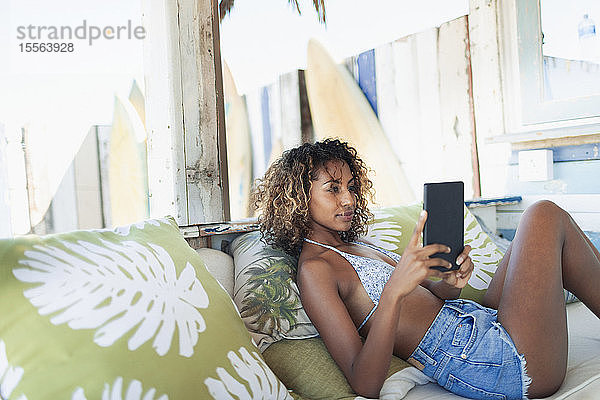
314, 264
315, 269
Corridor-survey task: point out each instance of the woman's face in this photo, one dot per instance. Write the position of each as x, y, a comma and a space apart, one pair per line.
332, 197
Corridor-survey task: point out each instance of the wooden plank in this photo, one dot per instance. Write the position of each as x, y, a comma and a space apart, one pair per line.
397, 105
203, 112
582, 152
408, 103
267, 135
39, 190
367, 76
306, 126
5, 227
423, 100
387, 96
428, 92
202, 230
64, 202
103, 137
549, 132
455, 107
487, 94
289, 110
86, 166
216, 236
557, 142
16, 180
186, 128
253, 103
164, 111
274, 117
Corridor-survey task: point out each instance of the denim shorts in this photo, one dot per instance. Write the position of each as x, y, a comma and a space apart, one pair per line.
468, 352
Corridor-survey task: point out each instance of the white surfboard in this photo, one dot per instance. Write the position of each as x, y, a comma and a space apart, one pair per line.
239, 148
340, 109
127, 171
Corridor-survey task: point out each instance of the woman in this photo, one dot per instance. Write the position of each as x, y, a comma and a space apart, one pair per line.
368, 304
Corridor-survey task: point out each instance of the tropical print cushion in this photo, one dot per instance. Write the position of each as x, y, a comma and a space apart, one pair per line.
266, 293
129, 313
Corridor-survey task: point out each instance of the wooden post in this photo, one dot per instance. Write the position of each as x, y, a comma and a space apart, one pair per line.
29, 183
5, 215
187, 160
487, 94
306, 126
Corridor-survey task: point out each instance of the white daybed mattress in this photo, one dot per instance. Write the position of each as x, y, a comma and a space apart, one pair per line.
583, 371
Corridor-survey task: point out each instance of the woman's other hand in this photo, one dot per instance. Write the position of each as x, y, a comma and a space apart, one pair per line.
460, 277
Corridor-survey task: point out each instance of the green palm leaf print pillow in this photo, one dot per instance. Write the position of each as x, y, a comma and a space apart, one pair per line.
129, 313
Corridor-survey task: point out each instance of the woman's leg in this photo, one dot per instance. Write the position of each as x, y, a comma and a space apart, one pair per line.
549, 252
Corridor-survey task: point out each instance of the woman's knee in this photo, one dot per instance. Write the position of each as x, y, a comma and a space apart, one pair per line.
545, 211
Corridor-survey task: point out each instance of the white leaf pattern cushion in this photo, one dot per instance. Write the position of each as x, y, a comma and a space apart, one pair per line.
130, 313
393, 226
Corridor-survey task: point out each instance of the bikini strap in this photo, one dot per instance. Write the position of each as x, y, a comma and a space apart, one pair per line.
390, 254
341, 253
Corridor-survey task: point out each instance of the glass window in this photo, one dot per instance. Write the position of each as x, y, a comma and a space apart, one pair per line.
559, 60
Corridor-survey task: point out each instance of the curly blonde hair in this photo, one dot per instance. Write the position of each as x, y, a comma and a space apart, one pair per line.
282, 195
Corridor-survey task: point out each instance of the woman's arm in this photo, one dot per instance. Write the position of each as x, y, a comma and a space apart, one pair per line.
364, 365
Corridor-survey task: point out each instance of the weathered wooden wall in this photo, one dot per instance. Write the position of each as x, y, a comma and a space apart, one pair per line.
423, 101
420, 88
442, 97
185, 122
279, 118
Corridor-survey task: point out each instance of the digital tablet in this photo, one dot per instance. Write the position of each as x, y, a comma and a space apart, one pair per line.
444, 204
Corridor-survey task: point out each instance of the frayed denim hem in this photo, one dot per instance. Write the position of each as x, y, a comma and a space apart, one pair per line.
525, 378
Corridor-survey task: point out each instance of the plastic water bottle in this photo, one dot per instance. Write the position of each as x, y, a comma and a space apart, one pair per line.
588, 40
586, 27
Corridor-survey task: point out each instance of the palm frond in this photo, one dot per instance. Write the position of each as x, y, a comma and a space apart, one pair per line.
319, 8
225, 7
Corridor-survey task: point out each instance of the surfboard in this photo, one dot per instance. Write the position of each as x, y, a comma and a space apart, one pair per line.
127, 171
340, 109
276, 151
239, 148
138, 100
